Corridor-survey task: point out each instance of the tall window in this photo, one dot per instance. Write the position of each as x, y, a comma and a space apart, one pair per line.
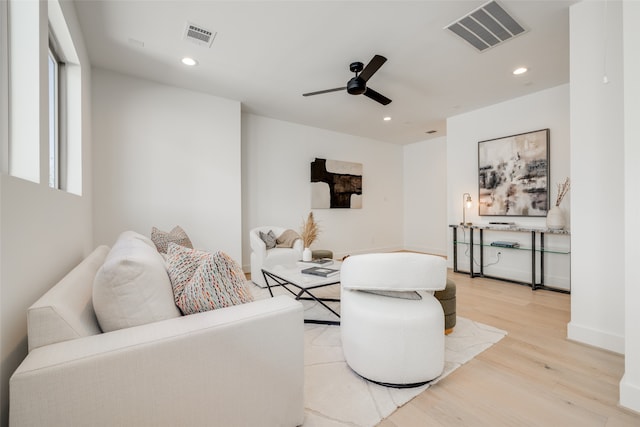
53, 120
56, 115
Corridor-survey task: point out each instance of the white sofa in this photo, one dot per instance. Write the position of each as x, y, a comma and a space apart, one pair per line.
236, 366
261, 256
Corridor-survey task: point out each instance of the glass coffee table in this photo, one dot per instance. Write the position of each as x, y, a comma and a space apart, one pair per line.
303, 286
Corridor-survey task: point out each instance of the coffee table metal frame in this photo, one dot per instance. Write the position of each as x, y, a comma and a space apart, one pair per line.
288, 276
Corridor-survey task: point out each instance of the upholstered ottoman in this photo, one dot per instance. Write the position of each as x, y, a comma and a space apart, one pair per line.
321, 253
447, 298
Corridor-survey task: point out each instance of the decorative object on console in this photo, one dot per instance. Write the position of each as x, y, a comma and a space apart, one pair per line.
162, 239
466, 204
336, 184
555, 217
513, 175
309, 234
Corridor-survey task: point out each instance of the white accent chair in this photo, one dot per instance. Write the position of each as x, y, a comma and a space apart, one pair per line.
387, 338
261, 256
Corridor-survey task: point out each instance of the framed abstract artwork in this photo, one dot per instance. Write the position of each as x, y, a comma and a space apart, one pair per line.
513, 175
336, 184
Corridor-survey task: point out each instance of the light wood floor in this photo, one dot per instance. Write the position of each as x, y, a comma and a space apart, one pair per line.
533, 377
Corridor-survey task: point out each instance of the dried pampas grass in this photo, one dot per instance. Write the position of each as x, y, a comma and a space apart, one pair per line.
309, 231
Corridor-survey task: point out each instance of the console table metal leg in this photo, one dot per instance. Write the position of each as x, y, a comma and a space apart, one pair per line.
455, 249
542, 259
481, 253
533, 260
471, 253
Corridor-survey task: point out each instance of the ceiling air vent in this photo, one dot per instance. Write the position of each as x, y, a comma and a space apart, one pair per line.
199, 35
486, 27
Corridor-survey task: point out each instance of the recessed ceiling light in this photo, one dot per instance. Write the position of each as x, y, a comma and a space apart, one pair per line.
519, 71
189, 61
386, 119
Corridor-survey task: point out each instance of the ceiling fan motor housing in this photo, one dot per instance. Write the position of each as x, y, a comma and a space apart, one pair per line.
356, 86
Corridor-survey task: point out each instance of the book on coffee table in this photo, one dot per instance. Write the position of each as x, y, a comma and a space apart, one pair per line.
320, 271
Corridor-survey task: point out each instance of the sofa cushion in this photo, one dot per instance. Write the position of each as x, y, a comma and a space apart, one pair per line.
65, 312
204, 281
132, 287
162, 239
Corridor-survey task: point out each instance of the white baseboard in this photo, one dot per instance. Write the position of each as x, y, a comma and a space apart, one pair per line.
426, 250
595, 338
629, 394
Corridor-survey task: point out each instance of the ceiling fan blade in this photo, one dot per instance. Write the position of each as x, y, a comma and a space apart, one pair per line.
370, 93
324, 91
373, 66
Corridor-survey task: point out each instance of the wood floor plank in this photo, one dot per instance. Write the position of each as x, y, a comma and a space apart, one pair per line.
533, 377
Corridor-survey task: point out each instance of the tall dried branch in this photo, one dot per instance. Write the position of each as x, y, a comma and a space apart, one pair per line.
563, 189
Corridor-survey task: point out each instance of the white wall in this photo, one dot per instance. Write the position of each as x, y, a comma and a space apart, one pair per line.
425, 196
165, 156
43, 232
597, 163
544, 109
630, 384
276, 159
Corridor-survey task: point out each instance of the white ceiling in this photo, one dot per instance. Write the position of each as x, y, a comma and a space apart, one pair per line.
266, 54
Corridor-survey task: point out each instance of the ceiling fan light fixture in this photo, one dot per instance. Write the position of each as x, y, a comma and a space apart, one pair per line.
356, 86
387, 119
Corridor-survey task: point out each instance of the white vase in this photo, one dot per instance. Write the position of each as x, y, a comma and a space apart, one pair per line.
306, 254
555, 218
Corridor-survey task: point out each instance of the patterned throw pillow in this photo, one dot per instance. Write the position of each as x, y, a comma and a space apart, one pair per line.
269, 239
203, 281
162, 239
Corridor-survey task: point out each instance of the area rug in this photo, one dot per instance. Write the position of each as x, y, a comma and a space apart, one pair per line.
335, 396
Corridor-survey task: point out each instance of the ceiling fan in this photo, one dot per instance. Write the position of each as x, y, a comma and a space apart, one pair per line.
358, 85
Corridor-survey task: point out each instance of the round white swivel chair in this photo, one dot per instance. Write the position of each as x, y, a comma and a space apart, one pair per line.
392, 327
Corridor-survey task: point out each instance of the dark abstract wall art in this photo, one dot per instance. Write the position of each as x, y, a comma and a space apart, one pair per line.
513, 175
336, 184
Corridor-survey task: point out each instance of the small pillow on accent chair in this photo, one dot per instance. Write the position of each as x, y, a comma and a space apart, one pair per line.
132, 287
287, 239
269, 239
203, 281
162, 239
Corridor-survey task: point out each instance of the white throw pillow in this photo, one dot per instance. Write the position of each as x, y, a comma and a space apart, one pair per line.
132, 287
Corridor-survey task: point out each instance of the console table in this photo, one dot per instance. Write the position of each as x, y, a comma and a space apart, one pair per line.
537, 246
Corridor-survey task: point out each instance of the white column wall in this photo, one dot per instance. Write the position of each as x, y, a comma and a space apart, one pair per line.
276, 185
425, 196
597, 172
165, 156
630, 384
